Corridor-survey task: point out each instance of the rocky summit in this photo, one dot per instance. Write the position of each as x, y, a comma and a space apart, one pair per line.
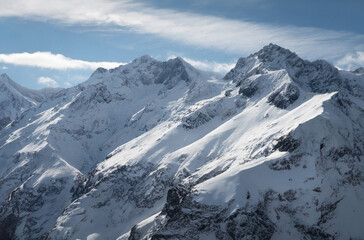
161, 150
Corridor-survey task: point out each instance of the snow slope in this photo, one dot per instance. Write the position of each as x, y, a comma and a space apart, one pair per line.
160, 150
14, 99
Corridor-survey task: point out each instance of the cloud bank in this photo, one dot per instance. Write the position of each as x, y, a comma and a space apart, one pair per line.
52, 61
49, 60
47, 81
351, 61
241, 37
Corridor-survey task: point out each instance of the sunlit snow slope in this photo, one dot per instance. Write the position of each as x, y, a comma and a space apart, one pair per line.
160, 150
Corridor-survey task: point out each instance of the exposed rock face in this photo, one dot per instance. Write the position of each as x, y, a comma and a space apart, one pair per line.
254, 224
173, 71
202, 115
318, 76
287, 144
160, 150
198, 219
172, 208
4, 122
285, 97
146, 70
248, 91
8, 226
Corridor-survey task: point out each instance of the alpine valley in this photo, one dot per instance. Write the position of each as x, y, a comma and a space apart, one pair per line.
161, 150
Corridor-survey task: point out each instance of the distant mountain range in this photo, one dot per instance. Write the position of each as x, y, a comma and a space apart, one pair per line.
161, 150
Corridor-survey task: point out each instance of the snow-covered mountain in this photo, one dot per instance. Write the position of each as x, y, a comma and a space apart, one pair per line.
14, 99
359, 70
160, 150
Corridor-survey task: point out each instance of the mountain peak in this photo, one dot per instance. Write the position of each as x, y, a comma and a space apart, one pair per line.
4, 76
359, 70
144, 59
100, 70
318, 76
159, 140
272, 47
174, 70
273, 52
270, 57
178, 62
148, 70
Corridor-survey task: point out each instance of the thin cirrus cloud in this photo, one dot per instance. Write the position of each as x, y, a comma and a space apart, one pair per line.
236, 36
47, 81
52, 61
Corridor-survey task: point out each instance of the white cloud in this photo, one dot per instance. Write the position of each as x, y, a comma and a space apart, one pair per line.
4, 67
240, 37
49, 60
208, 65
52, 61
47, 81
351, 61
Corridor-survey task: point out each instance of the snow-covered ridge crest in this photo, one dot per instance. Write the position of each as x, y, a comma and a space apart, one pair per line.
15, 99
317, 76
359, 70
160, 150
146, 70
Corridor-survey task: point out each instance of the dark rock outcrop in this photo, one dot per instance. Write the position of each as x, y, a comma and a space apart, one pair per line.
173, 71
4, 122
248, 91
286, 144
282, 99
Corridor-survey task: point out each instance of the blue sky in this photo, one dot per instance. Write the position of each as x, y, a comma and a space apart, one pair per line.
60, 43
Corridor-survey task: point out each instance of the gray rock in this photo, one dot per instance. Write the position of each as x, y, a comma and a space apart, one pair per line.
282, 99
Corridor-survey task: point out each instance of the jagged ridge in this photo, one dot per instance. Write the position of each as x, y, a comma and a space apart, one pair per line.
158, 150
